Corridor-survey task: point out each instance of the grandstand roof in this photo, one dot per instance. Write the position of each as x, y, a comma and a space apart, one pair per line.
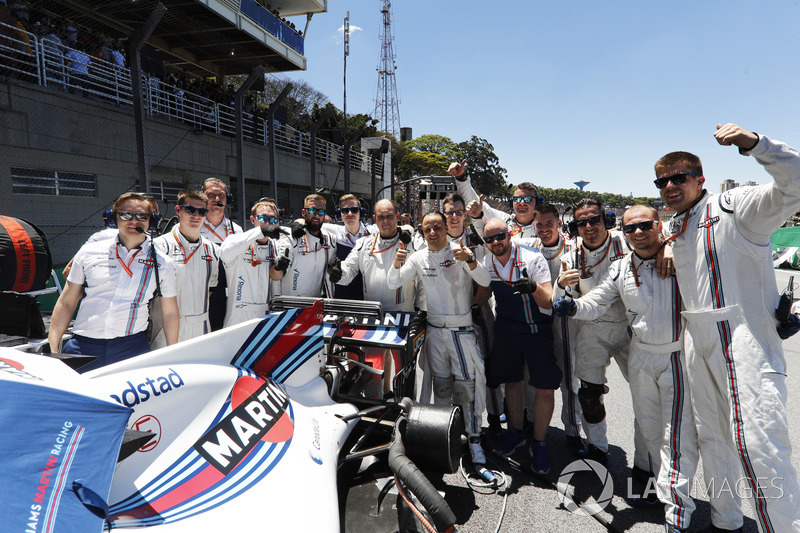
207, 37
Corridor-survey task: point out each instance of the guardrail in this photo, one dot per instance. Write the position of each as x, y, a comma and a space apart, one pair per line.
46, 62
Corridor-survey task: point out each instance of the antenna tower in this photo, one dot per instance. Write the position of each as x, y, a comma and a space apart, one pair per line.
387, 109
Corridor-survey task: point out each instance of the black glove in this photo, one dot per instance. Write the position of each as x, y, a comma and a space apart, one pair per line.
564, 306
524, 284
298, 229
790, 327
477, 317
405, 236
335, 273
474, 238
273, 232
282, 264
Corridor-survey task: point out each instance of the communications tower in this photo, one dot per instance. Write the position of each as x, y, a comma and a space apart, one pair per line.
387, 109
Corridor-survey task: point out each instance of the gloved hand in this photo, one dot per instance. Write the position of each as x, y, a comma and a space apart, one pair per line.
273, 232
524, 284
335, 271
282, 264
477, 317
405, 236
298, 229
565, 306
790, 327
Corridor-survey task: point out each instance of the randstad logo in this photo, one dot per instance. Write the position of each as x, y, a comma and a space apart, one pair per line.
593, 505
136, 394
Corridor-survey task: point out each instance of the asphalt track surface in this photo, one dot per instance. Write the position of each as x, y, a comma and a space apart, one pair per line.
529, 504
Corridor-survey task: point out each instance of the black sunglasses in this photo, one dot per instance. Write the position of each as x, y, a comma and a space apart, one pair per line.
202, 211
315, 211
349, 210
266, 219
595, 220
677, 179
127, 215
647, 225
489, 239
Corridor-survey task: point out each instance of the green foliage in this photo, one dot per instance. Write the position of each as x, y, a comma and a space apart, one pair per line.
483, 167
571, 196
427, 155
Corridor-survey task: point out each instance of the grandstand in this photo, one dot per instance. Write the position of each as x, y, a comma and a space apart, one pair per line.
70, 143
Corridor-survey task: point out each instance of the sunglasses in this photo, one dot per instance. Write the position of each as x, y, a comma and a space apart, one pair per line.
202, 211
647, 225
489, 239
449, 214
593, 221
349, 210
266, 219
315, 211
127, 215
677, 179
518, 199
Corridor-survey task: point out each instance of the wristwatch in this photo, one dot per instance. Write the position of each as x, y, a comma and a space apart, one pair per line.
471, 259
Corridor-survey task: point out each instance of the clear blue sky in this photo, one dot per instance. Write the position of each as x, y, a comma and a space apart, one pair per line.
593, 90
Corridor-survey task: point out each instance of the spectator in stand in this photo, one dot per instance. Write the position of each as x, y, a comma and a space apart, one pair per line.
53, 53
78, 63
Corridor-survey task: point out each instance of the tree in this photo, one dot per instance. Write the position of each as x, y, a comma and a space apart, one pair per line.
483, 167
427, 155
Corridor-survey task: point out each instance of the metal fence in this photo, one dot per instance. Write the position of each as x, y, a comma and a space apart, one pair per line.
46, 62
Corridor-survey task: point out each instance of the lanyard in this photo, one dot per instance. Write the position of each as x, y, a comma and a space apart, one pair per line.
372, 248
510, 271
256, 262
683, 228
127, 267
321, 241
635, 269
563, 242
585, 273
228, 229
186, 260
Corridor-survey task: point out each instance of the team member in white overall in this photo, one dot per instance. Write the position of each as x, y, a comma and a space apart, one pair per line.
455, 361
247, 258
736, 366
605, 337
553, 246
216, 228
523, 202
305, 255
345, 237
656, 364
196, 265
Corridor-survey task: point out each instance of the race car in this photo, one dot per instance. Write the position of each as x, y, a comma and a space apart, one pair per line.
277, 424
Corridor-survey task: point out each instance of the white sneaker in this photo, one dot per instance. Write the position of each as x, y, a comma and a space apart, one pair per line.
476, 451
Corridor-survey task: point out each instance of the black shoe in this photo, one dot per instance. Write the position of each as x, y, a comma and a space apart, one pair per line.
578, 447
714, 529
495, 427
650, 501
641, 475
596, 454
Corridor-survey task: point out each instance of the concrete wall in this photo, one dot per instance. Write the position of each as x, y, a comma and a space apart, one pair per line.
44, 128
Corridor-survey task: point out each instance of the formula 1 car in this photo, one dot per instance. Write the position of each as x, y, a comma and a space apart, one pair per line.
284, 423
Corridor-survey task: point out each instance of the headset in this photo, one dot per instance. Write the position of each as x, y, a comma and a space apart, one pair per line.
110, 219
609, 218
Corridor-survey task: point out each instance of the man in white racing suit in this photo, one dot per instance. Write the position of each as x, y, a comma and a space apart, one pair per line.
656, 364
447, 273
345, 237
196, 266
248, 258
736, 366
605, 337
304, 256
523, 201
